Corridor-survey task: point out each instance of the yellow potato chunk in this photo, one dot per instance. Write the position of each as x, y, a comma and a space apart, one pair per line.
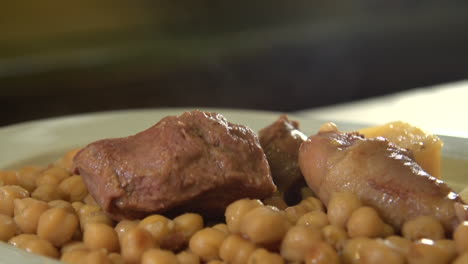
426, 148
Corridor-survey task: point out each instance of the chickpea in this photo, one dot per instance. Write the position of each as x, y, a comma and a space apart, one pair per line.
57, 225
73, 245
125, 225
90, 200
388, 230
341, 206
116, 258
159, 226
298, 241
264, 225
48, 193
62, 204
134, 243
74, 256
26, 177
335, 236
353, 248
316, 219
222, 227
41, 247
8, 194
236, 250
8, 177
52, 176
97, 235
426, 251
188, 224
375, 251
236, 211
293, 213
77, 206
276, 201
97, 257
7, 227
74, 188
322, 253
461, 259
20, 240
158, 256
92, 214
460, 235
187, 257
27, 213
215, 261
399, 244
206, 243
365, 221
263, 256
66, 161
423, 227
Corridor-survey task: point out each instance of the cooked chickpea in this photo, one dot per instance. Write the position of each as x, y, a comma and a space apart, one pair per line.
206, 243
236, 250
20, 240
159, 226
8, 194
460, 235
188, 224
7, 227
158, 256
341, 206
293, 213
97, 257
276, 201
352, 250
27, 213
321, 253
90, 200
62, 204
73, 245
264, 225
27, 177
66, 161
335, 236
222, 227
316, 219
41, 247
263, 256
74, 256
428, 252
97, 235
57, 225
77, 206
236, 211
134, 243
388, 230
375, 251
461, 259
298, 241
48, 193
399, 244
92, 214
116, 258
125, 225
8, 177
423, 227
52, 176
187, 257
215, 261
365, 222
74, 188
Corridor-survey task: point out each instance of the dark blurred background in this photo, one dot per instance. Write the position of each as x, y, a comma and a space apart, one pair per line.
66, 57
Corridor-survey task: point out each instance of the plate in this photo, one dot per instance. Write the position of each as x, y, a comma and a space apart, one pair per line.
41, 142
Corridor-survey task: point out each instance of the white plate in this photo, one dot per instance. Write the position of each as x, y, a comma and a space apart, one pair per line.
41, 142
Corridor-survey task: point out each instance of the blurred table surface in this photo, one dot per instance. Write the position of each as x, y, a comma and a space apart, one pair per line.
438, 109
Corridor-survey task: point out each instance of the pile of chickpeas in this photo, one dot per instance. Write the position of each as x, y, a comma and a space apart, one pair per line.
48, 211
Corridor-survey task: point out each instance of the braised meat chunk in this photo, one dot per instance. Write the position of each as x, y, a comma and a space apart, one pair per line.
281, 141
382, 174
195, 162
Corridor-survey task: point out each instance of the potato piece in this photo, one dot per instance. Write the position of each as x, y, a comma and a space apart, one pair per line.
426, 148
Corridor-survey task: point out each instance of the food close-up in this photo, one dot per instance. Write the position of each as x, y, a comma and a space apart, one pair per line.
197, 188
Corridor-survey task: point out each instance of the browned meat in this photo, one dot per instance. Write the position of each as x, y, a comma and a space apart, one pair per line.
381, 174
195, 162
281, 141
